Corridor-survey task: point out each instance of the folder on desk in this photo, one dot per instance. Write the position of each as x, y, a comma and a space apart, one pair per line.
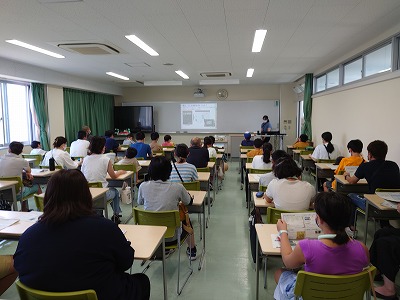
301, 225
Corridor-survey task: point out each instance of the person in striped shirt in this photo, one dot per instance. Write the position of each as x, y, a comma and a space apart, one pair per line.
187, 171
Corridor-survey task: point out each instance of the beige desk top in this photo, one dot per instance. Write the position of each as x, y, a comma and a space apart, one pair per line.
297, 151
144, 239
4, 184
249, 165
340, 178
211, 164
307, 157
289, 147
259, 202
204, 176
121, 177
43, 172
144, 163
264, 232
219, 156
26, 219
221, 150
30, 159
96, 192
254, 178
245, 150
199, 197
242, 156
376, 201
169, 149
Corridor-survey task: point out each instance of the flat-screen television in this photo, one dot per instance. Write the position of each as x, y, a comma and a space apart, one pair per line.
136, 118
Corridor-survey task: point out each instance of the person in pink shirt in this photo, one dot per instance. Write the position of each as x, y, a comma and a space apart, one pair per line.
167, 141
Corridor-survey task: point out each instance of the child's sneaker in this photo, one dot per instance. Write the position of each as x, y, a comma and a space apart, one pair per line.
191, 253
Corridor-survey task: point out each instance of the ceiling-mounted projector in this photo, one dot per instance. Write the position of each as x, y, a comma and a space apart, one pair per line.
198, 94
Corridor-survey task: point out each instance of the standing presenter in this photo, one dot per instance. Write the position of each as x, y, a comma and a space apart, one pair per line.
265, 128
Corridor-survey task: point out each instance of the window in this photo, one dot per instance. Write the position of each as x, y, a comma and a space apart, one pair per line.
332, 78
378, 61
321, 83
15, 117
353, 71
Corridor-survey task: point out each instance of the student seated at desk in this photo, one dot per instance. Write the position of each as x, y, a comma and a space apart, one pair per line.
355, 159
159, 194
263, 161
143, 150
167, 141
334, 253
326, 150
288, 191
257, 148
154, 145
79, 148
265, 179
199, 156
301, 141
37, 148
247, 140
128, 140
111, 143
71, 248
61, 157
208, 145
95, 168
7, 272
188, 172
385, 256
378, 172
129, 159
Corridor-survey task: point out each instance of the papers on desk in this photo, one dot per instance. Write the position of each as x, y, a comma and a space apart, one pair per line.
4, 223
351, 170
389, 204
276, 242
332, 166
391, 196
256, 176
301, 225
30, 216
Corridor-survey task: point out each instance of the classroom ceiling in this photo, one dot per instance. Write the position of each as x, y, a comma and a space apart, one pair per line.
195, 36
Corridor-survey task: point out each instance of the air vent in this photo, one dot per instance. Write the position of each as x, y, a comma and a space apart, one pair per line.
89, 48
216, 74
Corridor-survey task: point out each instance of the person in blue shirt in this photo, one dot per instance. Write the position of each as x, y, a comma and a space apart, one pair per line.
266, 125
143, 149
247, 140
111, 143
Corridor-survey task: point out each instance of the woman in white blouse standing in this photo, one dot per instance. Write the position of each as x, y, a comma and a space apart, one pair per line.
61, 157
326, 150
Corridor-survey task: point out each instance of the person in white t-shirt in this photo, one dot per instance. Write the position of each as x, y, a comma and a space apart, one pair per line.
79, 148
326, 150
263, 161
61, 157
288, 191
265, 179
37, 148
208, 144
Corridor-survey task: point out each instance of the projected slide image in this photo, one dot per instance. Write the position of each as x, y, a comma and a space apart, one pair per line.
199, 116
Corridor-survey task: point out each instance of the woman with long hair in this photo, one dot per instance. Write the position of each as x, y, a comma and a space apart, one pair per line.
326, 150
263, 161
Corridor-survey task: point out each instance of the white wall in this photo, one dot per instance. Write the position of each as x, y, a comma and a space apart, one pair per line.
368, 113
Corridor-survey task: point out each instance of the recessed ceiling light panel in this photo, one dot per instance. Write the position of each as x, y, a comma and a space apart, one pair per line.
34, 48
142, 45
259, 37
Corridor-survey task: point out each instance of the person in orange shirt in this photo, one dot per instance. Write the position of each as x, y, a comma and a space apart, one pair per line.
257, 148
355, 159
301, 141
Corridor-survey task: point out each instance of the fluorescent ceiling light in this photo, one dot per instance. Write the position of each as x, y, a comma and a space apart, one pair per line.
250, 72
183, 75
34, 48
259, 37
158, 83
138, 42
117, 75
218, 81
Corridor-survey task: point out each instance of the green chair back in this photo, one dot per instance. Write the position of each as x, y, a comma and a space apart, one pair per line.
131, 167
386, 190
262, 188
273, 214
47, 167
205, 169
327, 161
213, 159
39, 202
95, 184
192, 185
305, 152
18, 186
38, 158
139, 158
68, 149
246, 148
159, 153
169, 218
260, 171
27, 293
249, 159
317, 286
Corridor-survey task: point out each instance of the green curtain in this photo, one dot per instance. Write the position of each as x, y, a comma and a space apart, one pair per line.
87, 108
307, 105
40, 109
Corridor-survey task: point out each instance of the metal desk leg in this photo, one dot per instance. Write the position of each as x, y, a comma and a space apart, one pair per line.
366, 222
209, 201
163, 269
203, 252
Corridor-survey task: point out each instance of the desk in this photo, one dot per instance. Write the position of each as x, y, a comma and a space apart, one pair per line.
344, 187
243, 158
31, 161
259, 202
263, 238
374, 209
307, 161
198, 206
8, 188
42, 176
322, 171
169, 152
26, 220
145, 240
296, 155
118, 182
212, 165
252, 183
204, 178
289, 150
219, 164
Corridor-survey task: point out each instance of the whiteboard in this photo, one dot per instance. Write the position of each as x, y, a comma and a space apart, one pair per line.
232, 116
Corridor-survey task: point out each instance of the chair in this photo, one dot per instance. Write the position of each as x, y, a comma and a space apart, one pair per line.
18, 187
171, 219
38, 158
262, 188
68, 149
27, 293
47, 167
248, 148
326, 161
159, 153
95, 184
259, 171
249, 159
213, 159
39, 202
317, 286
192, 185
205, 169
306, 152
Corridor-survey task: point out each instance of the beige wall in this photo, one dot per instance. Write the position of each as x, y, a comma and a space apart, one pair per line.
367, 113
55, 107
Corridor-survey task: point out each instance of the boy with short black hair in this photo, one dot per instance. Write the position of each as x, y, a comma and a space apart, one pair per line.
37, 148
143, 150
257, 148
154, 145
